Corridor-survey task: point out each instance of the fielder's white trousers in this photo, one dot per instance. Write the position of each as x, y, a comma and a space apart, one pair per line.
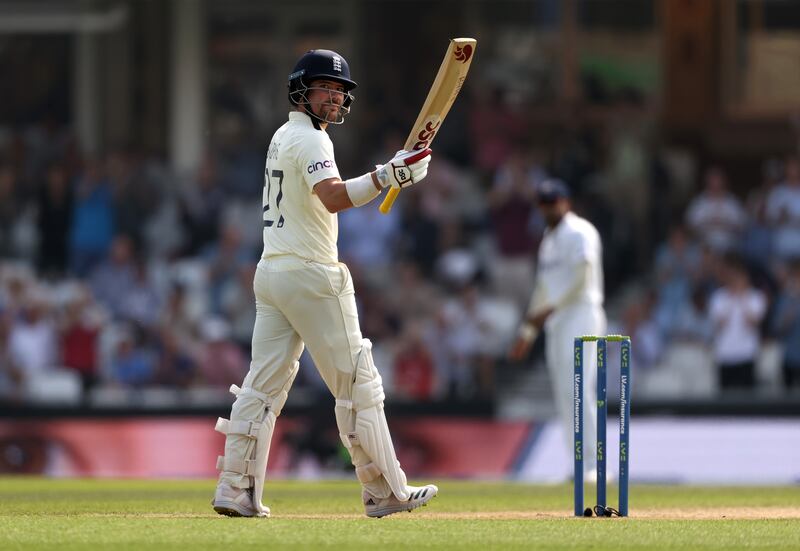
561, 330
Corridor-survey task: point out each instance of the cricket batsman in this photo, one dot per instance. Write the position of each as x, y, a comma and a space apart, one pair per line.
304, 297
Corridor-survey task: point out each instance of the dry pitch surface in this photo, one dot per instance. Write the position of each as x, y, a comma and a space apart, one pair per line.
131, 514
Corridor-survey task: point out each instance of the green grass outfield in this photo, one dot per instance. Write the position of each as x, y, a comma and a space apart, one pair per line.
142, 514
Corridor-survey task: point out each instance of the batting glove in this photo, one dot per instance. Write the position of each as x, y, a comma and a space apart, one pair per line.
405, 168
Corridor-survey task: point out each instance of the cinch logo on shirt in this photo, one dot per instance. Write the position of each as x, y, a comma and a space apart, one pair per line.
319, 165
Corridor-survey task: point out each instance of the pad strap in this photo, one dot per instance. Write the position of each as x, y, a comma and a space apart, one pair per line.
245, 428
246, 467
247, 391
367, 473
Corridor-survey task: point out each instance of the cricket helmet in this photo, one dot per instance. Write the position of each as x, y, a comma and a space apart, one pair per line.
319, 64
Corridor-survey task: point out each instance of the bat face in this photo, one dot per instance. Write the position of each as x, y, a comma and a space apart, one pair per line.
448, 83
427, 132
457, 88
446, 86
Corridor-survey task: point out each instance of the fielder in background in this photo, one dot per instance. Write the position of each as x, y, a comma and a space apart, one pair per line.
305, 297
567, 302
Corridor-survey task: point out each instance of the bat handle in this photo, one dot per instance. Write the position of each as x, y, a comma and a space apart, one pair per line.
386, 206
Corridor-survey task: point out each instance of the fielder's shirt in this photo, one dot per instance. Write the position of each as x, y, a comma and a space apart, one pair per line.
295, 220
563, 250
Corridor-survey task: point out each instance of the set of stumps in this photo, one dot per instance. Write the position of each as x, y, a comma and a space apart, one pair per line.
602, 509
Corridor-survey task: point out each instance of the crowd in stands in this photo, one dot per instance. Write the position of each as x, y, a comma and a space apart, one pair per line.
728, 278
122, 274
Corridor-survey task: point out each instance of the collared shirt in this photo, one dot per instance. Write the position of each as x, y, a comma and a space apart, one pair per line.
296, 222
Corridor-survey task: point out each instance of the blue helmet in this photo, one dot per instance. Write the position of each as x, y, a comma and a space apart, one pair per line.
551, 190
319, 64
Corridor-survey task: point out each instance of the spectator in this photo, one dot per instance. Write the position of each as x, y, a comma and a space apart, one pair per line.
133, 365
757, 245
412, 296
33, 343
54, 221
79, 338
783, 213
691, 323
9, 209
10, 375
677, 268
239, 306
178, 317
512, 201
175, 366
224, 260
420, 234
202, 200
494, 127
716, 216
736, 311
640, 324
92, 229
219, 360
14, 283
139, 185
375, 317
372, 249
113, 274
786, 325
141, 302
467, 340
414, 369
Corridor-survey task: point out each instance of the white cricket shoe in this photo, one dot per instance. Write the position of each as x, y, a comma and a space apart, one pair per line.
377, 507
235, 502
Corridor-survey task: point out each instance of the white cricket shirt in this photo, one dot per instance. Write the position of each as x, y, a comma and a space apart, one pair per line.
295, 220
562, 251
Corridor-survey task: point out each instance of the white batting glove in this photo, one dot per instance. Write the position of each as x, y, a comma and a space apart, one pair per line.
405, 168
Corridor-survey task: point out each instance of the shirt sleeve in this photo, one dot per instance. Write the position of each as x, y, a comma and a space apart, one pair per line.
315, 159
582, 248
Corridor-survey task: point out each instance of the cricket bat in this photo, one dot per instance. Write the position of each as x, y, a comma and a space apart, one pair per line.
443, 92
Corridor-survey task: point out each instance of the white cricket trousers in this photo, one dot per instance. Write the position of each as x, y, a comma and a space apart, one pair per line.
574, 321
297, 302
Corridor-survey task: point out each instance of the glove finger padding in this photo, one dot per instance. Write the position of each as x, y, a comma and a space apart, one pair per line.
420, 169
405, 168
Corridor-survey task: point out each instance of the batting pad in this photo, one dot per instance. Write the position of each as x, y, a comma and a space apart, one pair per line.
259, 434
366, 434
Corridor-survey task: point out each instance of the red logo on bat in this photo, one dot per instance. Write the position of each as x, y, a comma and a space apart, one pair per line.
426, 135
463, 54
